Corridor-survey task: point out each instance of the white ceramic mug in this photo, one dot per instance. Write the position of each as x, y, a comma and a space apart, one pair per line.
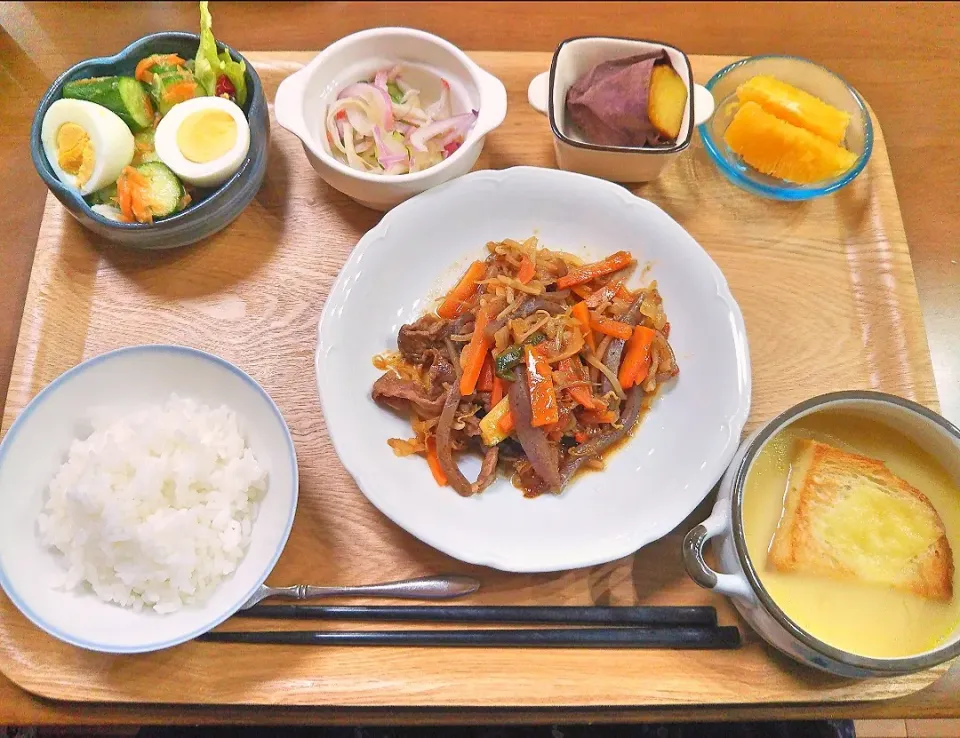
575, 57
740, 580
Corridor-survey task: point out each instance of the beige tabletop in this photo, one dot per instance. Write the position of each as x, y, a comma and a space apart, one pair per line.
904, 58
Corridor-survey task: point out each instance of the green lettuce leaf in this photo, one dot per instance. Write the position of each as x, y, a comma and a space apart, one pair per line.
209, 65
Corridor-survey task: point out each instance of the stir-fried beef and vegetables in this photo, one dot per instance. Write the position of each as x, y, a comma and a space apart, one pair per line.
538, 361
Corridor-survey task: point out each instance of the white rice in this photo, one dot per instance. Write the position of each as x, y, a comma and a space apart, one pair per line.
155, 508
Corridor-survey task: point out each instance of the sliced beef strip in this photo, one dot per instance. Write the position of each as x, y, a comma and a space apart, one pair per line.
541, 454
439, 372
401, 394
415, 339
471, 426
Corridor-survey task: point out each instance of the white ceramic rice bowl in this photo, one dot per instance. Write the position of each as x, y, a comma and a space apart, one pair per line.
37, 443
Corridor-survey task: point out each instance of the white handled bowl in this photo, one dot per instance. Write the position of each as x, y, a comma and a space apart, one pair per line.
739, 579
303, 98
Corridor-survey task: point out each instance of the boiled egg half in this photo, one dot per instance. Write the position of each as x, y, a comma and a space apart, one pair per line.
86, 144
203, 140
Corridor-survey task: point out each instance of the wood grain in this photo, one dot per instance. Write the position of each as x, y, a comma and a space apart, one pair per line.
829, 299
884, 48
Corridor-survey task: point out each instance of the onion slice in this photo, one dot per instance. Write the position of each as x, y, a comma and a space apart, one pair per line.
460, 123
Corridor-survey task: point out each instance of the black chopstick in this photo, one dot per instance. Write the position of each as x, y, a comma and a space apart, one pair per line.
560, 615
724, 637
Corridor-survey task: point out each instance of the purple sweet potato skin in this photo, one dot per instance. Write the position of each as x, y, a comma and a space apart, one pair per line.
609, 103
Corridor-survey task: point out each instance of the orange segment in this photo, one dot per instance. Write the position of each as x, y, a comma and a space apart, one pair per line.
795, 106
782, 150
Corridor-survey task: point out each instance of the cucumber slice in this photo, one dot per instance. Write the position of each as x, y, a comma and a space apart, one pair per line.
125, 96
105, 196
163, 81
143, 147
166, 191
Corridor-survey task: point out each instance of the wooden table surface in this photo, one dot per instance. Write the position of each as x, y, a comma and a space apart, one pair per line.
903, 57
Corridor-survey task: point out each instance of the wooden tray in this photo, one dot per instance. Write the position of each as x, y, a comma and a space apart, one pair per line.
830, 303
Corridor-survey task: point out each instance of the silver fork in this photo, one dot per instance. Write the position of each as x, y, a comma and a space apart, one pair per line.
442, 587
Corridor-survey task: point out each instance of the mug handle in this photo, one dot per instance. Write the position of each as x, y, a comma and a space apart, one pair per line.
731, 585
538, 95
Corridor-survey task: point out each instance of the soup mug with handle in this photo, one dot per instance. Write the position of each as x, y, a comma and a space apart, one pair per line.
740, 580
575, 57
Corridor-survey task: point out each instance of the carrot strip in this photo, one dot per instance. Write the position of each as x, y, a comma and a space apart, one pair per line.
485, 380
555, 430
613, 288
434, 461
180, 91
456, 300
598, 417
545, 409
474, 355
580, 394
580, 436
636, 358
582, 316
497, 392
526, 271
506, 424
132, 196
579, 275
610, 327
143, 72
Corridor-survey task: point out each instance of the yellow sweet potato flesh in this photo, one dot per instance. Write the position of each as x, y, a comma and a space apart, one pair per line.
667, 101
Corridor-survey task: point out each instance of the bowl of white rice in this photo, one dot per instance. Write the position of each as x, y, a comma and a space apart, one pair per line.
145, 495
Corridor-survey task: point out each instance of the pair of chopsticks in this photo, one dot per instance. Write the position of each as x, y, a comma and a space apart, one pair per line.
605, 627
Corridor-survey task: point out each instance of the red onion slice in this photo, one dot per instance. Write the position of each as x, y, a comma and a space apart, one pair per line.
460, 123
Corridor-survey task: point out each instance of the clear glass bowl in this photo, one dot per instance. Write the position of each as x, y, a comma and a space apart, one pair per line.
807, 76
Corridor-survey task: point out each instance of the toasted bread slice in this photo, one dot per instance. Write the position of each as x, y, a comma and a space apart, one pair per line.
849, 517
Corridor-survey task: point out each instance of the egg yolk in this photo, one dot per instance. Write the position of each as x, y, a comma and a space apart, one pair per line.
75, 152
206, 135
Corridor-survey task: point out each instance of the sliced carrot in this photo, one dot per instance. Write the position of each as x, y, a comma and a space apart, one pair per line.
456, 300
143, 72
580, 275
598, 417
582, 316
610, 327
555, 430
485, 380
498, 391
545, 409
434, 461
474, 354
527, 270
613, 288
506, 424
132, 196
180, 91
581, 394
602, 295
636, 358
580, 436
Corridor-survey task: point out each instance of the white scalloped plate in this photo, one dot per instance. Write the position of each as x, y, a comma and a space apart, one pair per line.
678, 452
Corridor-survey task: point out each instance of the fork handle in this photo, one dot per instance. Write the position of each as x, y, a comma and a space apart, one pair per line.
423, 588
